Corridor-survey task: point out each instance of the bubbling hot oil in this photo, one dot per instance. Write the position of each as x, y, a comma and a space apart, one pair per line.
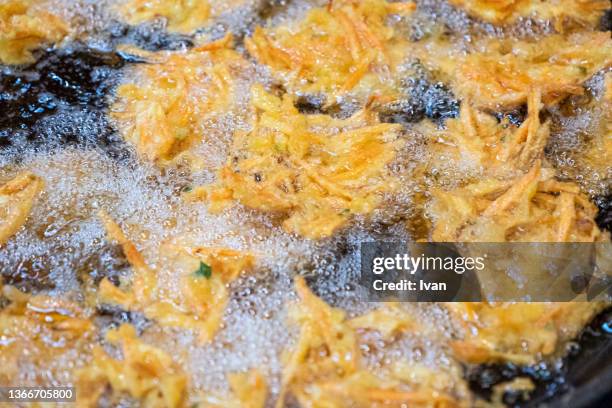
57, 127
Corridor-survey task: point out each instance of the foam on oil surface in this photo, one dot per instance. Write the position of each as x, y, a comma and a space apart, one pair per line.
575, 125
63, 237
63, 231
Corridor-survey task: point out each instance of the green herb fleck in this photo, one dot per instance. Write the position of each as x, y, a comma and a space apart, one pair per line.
204, 271
187, 189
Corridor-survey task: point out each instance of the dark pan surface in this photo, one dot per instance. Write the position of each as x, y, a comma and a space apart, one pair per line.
582, 379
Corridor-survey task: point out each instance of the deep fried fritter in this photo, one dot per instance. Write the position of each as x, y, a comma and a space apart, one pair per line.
517, 332
508, 11
315, 170
182, 16
16, 200
39, 332
163, 110
501, 205
345, 47
325, 366
499, 74
531, 208
24, 27
204, 272
145, 373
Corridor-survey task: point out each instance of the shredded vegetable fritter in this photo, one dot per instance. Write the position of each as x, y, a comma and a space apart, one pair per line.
531, 208
145, 373
183, 16
205, 272
37, 330
24, 27
478, 141
315, 170
249, 390
501, 206
499, 74
517, 332
508, 11
16, 199
347, 46
163, 112
325, 367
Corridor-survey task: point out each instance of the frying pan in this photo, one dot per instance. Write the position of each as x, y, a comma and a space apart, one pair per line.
583, 379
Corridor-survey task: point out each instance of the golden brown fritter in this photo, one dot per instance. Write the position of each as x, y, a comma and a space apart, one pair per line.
478, 142
163, 109
325, 366
25, 26
508, 11
182, 16
520, 333
499, 74
345, 47
314, 174
503, 203
144, 373
203, 296
16, 200
314, 170
38, 332
530, 208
